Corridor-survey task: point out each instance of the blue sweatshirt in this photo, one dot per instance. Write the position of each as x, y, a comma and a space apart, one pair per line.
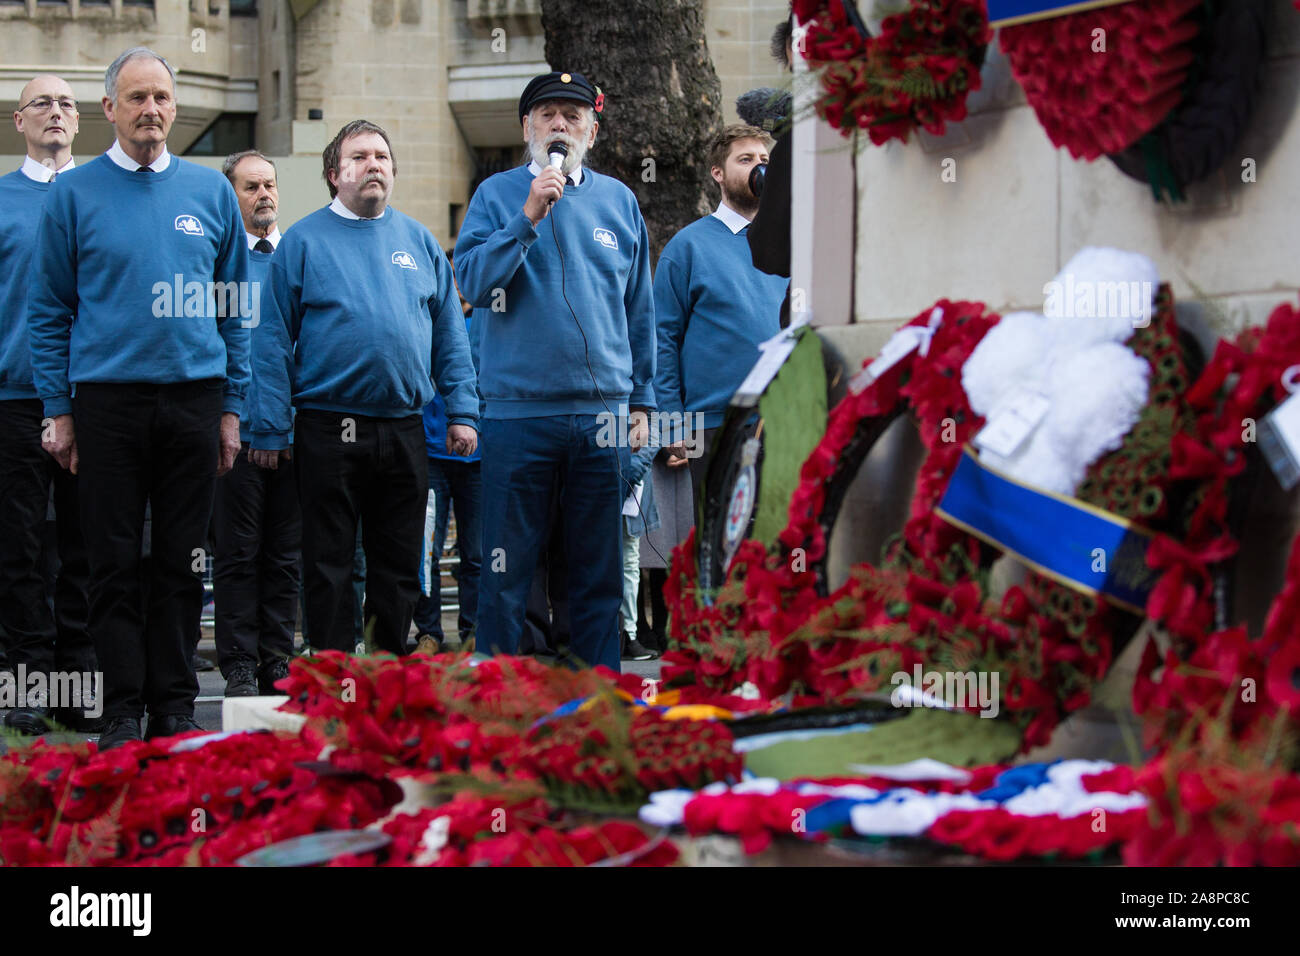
435, 432
435, 423
359, 316
713, 308
20, 211
532, 360
259, 272
122, 281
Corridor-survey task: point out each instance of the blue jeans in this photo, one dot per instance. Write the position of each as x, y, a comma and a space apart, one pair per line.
458, 484
521, 460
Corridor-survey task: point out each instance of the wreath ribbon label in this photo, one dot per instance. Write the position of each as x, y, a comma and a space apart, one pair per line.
1081, 546
1005, 13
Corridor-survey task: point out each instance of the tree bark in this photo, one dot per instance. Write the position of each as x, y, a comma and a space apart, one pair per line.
662, 99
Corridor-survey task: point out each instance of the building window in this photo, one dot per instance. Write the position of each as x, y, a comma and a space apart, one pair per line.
275, 94
243, 8
229, 133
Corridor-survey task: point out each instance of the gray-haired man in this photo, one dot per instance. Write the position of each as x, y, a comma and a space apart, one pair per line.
257, 524
143, 380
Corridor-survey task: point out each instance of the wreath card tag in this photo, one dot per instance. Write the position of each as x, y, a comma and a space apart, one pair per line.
1279, 440
900, 345
772, 355
1013, 422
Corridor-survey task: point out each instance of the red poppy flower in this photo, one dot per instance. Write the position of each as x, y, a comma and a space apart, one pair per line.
1284, 676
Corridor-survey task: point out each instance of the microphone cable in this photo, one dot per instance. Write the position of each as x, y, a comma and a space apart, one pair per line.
586, 354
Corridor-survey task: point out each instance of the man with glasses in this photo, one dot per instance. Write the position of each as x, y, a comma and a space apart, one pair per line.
138, 313
39, 642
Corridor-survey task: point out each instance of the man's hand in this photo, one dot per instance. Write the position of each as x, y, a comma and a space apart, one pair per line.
547, 188
461, 440
677, 455
229, 448
59, 439
638, 429
269, 457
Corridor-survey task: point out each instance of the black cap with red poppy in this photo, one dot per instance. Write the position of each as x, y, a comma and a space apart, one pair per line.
560, 86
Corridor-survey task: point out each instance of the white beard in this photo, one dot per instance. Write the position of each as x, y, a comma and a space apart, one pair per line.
577, 152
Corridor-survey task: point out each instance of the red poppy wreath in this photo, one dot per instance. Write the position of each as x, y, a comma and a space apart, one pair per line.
916, 74
1224, 788
929, 602
1101, 79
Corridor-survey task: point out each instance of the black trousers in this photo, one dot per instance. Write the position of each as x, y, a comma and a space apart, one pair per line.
352, 467
158, 443
42, 639
257, 546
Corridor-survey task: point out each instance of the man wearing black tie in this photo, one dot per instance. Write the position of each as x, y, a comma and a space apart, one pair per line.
257, 524
143, 381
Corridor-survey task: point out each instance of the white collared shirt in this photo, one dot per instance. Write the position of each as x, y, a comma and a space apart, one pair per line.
118, 155
273, 237
41, 173
336, 206
576, 175
730, 218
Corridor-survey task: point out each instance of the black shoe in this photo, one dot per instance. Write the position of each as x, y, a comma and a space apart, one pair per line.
32, 721
75, 719
201, 663
636, 651
655, 640
242, 680
277, 669
169, 725
119, 731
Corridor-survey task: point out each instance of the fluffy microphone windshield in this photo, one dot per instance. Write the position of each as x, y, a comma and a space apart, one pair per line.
766, 107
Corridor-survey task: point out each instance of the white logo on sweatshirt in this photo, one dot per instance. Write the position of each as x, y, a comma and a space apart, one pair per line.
605, 237
404, 259
189, 225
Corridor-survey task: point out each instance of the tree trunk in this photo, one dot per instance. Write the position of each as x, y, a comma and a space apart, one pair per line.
662, 99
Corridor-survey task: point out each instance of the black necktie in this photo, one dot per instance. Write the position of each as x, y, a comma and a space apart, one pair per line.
144, 169
264, 245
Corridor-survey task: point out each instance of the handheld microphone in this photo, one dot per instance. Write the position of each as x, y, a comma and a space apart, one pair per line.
556, 153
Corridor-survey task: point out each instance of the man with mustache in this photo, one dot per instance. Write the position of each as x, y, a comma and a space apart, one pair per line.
256, 523
47, 118
556, 263
143, 380
360, 320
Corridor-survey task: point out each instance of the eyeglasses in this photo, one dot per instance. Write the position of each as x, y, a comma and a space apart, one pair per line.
43, 104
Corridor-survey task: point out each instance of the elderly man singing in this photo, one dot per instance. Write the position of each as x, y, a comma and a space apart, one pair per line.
555, 260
